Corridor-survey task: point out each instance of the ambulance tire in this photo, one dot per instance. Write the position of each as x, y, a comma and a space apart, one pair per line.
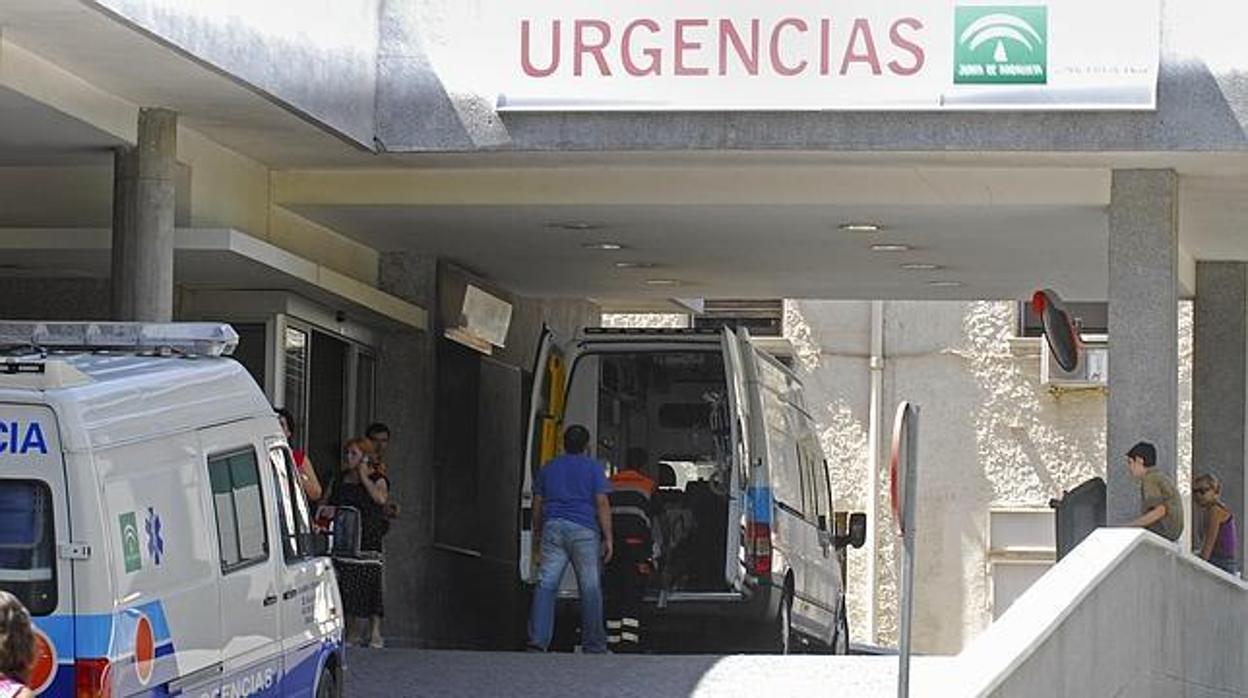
781, 638
326, 686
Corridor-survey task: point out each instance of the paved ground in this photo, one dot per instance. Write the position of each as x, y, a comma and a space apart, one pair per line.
396, 672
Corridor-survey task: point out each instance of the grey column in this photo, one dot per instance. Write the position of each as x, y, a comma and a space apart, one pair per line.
405, 402
143, 220
1220, 382
1143, 329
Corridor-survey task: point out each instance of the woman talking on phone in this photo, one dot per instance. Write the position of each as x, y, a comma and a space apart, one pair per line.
358, 484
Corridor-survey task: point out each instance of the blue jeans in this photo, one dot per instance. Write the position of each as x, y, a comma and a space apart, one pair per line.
1228, 564
564, 541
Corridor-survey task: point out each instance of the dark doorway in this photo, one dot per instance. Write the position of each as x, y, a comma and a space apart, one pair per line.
326, 409
252, 348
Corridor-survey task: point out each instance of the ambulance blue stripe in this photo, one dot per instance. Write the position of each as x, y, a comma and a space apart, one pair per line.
91, 634
94, 634
758, 504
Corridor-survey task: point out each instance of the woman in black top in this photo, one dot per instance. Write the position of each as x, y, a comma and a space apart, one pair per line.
359, 485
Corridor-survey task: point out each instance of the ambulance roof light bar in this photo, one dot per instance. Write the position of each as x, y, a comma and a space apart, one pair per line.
199, 338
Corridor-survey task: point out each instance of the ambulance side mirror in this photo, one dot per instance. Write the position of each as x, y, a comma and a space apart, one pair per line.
857, 534
857, 529
344, 533
336, 532
316, 543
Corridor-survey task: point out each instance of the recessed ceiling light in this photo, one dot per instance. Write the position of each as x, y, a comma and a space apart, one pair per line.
890, 247
920, 266
862, 227
606, 246
575, 225
945, 284
662, 282
635, 265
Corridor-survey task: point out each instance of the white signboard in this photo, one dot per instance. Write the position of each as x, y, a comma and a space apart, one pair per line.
709, 55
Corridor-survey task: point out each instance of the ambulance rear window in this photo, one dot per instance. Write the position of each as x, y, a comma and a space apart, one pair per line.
27, 544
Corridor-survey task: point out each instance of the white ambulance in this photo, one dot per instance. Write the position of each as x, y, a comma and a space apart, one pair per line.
751, 556
151, 521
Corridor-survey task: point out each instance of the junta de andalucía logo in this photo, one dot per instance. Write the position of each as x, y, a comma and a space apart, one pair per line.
1000, 44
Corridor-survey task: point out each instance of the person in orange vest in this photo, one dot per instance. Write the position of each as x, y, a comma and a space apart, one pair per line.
632, 511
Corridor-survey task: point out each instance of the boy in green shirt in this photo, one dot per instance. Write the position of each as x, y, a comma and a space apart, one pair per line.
1161, 509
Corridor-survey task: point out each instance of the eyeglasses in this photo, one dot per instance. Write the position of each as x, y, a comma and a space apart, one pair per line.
1201, 490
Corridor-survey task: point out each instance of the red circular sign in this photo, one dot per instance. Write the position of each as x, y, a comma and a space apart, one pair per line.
144, 649
44, 669
896, 466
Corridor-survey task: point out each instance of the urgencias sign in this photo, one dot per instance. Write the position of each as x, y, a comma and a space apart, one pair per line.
848, 55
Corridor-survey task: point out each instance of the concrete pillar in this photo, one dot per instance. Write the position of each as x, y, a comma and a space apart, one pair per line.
143, 220
1220, 382
1143, 329
405, 402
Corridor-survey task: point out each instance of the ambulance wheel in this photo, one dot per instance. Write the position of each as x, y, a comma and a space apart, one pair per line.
780, 637
326, 686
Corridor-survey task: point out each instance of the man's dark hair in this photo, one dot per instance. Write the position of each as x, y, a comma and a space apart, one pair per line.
575, 439
1146, 451
376, 428
636, 458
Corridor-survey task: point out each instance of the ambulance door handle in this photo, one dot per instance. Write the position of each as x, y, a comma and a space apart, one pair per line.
289, 594
270, 599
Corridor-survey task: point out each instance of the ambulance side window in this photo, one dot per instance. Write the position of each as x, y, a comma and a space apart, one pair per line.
27, 544
292, 507
241, 532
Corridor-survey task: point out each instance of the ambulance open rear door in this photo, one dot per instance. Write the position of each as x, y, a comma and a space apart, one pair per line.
546, 409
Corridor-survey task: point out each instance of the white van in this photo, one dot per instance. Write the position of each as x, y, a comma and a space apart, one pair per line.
746, 531
151, 521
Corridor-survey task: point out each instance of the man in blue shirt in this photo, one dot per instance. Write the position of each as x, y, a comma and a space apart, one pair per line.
572, 519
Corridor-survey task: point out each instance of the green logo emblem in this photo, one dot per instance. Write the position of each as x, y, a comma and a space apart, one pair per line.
1002, 45
130, 542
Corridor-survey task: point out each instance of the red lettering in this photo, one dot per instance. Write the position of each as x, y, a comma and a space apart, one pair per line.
526, 62
862, 27
825, 46
728, 35
683, 45
901, 42
581, 47
777, 63
626, 50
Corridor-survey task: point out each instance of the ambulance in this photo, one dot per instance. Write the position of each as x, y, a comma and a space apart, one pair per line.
751, 552
151, 520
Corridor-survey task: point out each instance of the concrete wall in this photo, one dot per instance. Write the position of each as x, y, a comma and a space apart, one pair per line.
217, 188
66, 196
316, 57
54, 299
230, 190
990, 437
1126, 613
226, 189
405, 401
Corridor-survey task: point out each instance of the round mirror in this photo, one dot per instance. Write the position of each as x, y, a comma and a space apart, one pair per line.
1059, 328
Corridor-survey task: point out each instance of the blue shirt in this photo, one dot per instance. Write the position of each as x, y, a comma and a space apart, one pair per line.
568, 486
